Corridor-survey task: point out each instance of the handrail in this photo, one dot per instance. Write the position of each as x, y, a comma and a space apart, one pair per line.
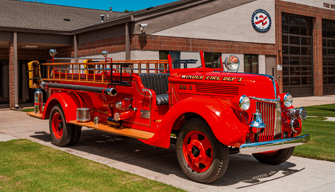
147, 90
100, 72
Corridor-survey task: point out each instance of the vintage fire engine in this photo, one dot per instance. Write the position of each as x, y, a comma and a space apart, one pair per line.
208, 113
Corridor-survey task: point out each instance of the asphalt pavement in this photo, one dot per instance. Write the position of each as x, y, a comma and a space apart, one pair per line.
244, 172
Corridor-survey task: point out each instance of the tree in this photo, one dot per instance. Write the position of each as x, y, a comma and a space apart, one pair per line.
128, 11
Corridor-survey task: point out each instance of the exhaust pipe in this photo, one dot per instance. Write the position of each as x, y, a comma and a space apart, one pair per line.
112, 91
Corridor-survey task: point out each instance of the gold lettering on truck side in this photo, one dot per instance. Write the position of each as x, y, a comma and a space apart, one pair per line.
215, 78
196, 77
239, 79
229, 78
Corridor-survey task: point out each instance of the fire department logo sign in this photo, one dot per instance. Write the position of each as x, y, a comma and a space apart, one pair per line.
261, 20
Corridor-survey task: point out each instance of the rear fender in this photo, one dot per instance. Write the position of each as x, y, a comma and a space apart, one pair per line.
227, 128
69, 102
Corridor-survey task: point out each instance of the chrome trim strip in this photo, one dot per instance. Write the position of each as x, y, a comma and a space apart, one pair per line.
273, 145
278, 123
266, 100
275, 88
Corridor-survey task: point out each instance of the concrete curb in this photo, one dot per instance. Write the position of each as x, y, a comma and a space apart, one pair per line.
4, 137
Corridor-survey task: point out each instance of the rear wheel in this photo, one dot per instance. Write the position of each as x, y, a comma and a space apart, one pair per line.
200, 155
60, 131
275, 157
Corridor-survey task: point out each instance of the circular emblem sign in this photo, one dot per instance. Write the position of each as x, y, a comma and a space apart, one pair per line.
261, 20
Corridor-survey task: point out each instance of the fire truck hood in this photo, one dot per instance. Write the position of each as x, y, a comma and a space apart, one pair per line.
251, 85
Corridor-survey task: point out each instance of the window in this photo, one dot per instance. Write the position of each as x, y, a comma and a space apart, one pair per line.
251, 63
212, 60
175, 55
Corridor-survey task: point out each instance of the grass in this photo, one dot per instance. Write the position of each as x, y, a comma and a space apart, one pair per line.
322, 143
27, 110
321, 110
28, 166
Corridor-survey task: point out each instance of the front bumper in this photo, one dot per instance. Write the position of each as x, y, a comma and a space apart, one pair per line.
260, 147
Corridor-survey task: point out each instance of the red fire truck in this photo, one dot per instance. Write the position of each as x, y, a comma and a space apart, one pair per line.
208, 113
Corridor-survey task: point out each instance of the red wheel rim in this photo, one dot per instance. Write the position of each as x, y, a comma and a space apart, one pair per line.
197, 151
57, 125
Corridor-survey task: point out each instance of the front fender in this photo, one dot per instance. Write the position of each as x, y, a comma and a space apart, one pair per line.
227, 128
69, 103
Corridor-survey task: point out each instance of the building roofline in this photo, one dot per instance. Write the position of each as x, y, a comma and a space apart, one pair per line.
96, 26
29, 30
130, 17
68, 6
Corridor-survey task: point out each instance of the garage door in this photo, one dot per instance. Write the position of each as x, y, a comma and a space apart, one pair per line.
297, 55
328, 52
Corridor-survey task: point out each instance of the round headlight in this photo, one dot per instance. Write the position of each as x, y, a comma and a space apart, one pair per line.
288, 100
302, 113
244, 103
232, 63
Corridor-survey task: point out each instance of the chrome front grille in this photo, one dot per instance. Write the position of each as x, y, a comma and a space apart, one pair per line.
268, 111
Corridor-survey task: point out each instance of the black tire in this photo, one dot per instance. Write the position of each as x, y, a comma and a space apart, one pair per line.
60, 131
76, 135
197, 128
274, 158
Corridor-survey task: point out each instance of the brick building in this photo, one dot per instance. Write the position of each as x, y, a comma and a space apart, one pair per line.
296, 45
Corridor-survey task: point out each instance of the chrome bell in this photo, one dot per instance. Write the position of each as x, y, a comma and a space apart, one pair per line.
257, 120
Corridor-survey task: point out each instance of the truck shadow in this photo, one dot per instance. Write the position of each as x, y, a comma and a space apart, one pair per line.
112, 149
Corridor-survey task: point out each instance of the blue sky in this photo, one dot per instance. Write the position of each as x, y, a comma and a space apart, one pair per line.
117, 5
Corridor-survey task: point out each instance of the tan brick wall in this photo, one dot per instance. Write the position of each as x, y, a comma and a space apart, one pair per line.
142, 42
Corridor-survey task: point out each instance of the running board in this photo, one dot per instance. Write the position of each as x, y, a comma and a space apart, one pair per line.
33, 114
134, 133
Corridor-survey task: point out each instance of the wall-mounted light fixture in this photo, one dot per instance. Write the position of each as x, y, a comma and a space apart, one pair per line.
30, 46
142, 27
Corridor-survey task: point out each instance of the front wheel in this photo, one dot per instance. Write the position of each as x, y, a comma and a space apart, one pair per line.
276, 157
60, 131
200, 155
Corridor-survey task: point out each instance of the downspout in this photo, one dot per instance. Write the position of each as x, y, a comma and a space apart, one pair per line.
75, 47
16, 81
127, 35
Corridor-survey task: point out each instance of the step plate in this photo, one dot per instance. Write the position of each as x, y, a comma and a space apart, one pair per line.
33, 114
118, 131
